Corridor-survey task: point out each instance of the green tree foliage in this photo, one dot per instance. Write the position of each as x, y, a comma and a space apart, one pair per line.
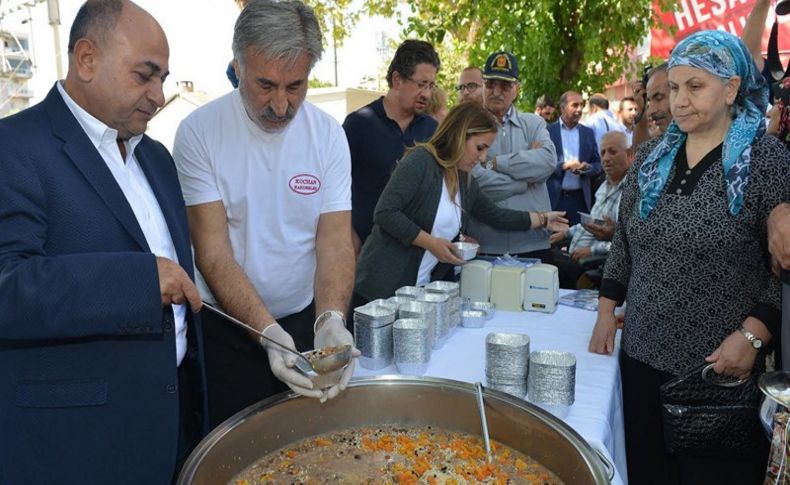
560, 44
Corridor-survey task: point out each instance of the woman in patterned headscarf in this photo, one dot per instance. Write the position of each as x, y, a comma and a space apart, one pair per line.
690, 253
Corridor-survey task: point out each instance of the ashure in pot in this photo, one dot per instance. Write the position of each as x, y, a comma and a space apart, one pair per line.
391, 400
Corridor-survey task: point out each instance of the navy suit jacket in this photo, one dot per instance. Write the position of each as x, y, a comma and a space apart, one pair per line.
588, 152
88, 377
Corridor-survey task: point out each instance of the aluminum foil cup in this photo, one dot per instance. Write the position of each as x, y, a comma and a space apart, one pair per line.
507, 355
440, 303
375, 315
509, 381
552, 377
412, 292
412, 345
397, 301
517, 390
373, 334
484, 306
385, 303
466, 250
452, 288
421, 311
473, 318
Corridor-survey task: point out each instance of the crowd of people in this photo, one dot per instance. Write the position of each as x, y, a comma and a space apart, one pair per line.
295, 219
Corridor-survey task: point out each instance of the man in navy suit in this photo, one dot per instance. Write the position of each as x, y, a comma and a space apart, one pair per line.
578, 161
100, 357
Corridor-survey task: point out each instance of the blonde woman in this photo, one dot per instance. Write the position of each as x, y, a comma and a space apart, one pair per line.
427, 202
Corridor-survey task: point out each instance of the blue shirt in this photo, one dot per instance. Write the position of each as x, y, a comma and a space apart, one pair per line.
570, 151
377, 143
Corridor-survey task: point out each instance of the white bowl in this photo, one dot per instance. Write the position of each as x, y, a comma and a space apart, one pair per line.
466, 250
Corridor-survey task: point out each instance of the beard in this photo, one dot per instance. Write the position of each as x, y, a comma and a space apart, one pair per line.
266, 118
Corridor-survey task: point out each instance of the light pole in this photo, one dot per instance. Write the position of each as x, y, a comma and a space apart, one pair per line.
53, 11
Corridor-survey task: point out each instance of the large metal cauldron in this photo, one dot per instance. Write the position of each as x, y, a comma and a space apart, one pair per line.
285, 418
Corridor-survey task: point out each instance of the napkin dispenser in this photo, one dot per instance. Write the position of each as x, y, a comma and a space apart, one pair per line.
507, 287
542, 291
476, 280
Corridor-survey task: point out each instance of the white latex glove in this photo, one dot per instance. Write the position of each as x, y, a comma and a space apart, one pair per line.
333, 333
282, 363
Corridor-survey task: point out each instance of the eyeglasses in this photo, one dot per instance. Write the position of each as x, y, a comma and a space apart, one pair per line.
423, 85
503, 85
471, 87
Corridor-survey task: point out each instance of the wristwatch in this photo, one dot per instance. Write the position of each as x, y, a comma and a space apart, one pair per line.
756, 343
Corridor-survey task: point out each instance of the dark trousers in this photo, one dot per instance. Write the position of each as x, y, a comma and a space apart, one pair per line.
648, 463
569, 270
190, 416
572, 202
237, 367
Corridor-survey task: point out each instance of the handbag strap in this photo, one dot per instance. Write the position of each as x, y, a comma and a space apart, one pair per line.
773, 61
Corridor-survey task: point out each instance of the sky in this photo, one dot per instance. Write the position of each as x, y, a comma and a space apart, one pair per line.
200, 34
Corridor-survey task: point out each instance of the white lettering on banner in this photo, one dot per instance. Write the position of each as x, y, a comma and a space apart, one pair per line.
695, 12
718, 8
304, 184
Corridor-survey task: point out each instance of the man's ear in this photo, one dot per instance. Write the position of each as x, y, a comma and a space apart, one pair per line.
86, 59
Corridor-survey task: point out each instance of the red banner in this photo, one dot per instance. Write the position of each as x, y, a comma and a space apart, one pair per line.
695, 15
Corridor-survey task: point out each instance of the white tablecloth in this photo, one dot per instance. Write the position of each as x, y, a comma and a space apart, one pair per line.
597, 413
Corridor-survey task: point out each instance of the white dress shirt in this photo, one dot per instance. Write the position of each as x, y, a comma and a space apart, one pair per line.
135, 187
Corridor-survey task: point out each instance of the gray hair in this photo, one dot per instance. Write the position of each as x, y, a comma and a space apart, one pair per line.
619, 136
277, 30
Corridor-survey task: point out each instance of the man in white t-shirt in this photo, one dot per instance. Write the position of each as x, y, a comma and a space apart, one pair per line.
267, 182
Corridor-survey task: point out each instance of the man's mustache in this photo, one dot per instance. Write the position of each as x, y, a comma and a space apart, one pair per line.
269, 114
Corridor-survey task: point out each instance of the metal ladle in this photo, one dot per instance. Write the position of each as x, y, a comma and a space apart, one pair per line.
482, 410
339, 357
776, 385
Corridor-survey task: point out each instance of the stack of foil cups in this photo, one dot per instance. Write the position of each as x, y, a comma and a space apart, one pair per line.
440, 304
373, 334
453, 291
507, 362
410, 292
552, 378
412, 345
420, 311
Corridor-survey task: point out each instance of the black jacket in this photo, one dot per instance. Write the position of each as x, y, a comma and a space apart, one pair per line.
408, 204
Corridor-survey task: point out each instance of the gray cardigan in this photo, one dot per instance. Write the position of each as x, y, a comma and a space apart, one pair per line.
407, 205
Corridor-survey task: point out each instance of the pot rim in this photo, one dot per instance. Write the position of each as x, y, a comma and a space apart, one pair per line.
593, 458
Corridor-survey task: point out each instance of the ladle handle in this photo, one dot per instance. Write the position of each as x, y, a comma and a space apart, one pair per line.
251, 329
481, 409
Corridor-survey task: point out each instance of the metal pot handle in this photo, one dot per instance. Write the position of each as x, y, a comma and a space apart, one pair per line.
608, 466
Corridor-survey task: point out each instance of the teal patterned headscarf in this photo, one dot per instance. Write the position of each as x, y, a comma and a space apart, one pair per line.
723, 55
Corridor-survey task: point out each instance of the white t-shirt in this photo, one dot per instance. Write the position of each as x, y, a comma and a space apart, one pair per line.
274, 187
446, 226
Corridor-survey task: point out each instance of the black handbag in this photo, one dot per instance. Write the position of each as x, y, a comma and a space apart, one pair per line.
704, 414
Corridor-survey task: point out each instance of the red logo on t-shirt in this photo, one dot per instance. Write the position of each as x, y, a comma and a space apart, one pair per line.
304, 184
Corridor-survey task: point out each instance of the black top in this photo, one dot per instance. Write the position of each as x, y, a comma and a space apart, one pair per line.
691, 271
376, 143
